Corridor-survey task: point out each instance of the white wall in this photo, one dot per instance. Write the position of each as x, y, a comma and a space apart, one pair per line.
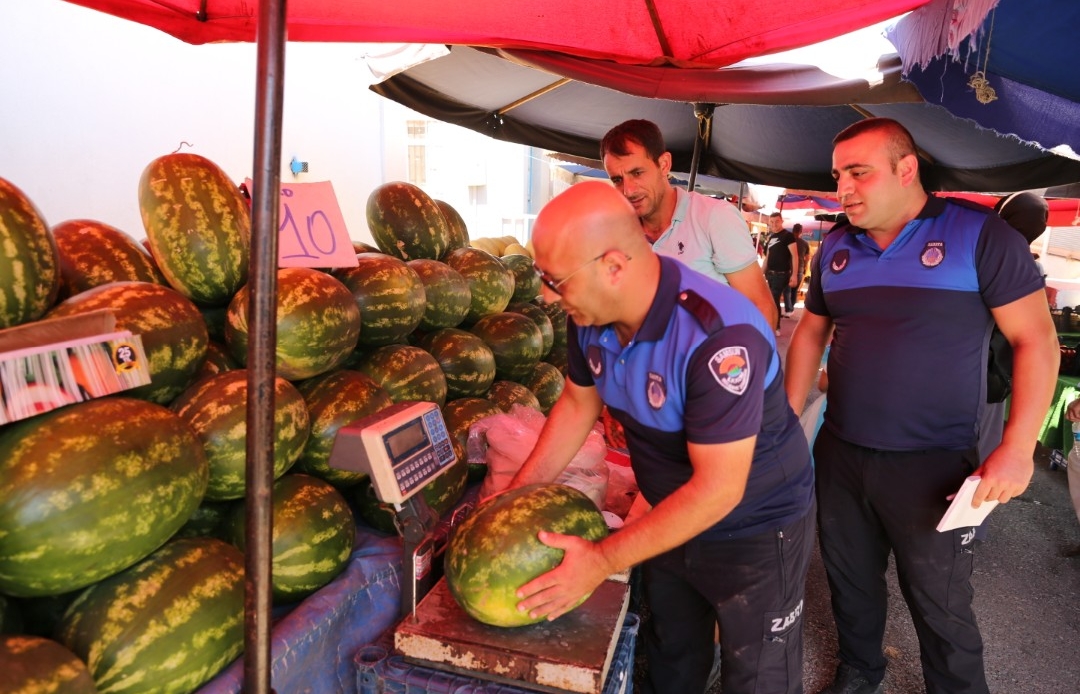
89, 100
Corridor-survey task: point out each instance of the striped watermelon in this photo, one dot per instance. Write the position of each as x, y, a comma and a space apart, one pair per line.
406, 223
333, 400
218, 360
318, 323
216, 408
406, 372
557, 358
546, 382
361, 247
29, 263
166, 625
555, 312
491, 284
447, 292
93, 253
540, 317
466, 361
89, 489
515, 340
526, 278
171, 328
208, 520
460, 415
198, 226
506, 394
459, 233
313, 533
389, 294
214, 317
495, 551
36, 665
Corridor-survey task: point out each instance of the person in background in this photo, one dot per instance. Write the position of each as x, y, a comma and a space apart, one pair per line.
803, 248
690, 369
781, 264
912, 285
705, 233
1072, 413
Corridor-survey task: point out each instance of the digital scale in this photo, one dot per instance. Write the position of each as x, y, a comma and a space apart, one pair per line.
404, 447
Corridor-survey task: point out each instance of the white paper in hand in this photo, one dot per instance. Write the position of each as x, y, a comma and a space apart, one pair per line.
960, 514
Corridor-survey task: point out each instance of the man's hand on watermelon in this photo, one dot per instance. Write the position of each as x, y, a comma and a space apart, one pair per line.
583, 568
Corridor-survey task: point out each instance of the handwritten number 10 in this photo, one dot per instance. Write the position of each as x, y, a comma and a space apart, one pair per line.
317, 227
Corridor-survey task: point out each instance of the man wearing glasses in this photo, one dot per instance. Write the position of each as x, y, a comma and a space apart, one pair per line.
691, 370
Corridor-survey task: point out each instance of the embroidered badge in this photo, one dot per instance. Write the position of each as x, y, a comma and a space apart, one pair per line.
596, 362
932, 253
656, 391
731, 368
840, 260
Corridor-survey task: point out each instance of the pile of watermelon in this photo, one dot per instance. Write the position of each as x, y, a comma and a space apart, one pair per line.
118, 511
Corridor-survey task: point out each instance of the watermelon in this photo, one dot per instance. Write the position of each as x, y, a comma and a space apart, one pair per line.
459, 416
208, 520
540, 317
93, 253
491, 284
218, 360
495, 551
165, 625
171, 328
459, 233
36, 665
546, 382
406, 372
557, 314
333, 400
515, 341
41, 615
198, 226
466, 361
318, 323
389, 295
29, 262
441, 494
447, 292
11, 619
506, 394
361, 247
214, 317
557, 358
313, 533
526, 278
406, 223
216, 408
92, 488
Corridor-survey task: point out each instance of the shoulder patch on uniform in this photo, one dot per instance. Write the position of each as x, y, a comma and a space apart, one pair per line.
655, 390
596, 361
705, 313
730, 367
932, 253
839, 261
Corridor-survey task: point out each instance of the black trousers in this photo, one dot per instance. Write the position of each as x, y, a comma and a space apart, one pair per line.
753, 587
778, 285
871, 502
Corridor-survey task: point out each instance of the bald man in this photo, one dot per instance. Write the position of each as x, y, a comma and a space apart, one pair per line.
690, 368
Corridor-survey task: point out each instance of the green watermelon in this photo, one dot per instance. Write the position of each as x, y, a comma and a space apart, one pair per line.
216, 408
540, 317
36, 665
389, 294
460, 415
526, 278
557, 314
515, 341
546, 382
406, 372
491, 284
506, 394
93, 253
361, 247
208, 520
557, 358
29, 262
313, 534
441, 494
459, 234
91, 488
171, 328
466, 361
11, 618
318, 323
447, 292
495, 551
406, 223
214, 317
165, 625
198, 226
218, 360
334, 400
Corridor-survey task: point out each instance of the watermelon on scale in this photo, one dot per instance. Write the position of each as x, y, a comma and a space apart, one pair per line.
406, 223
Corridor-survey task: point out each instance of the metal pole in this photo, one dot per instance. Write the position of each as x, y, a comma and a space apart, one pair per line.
703, 113
262, 340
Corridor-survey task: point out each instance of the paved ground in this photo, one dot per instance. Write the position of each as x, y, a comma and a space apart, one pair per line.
1027, 598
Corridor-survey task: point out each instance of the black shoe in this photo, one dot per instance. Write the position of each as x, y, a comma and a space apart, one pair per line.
714, 674
851, 681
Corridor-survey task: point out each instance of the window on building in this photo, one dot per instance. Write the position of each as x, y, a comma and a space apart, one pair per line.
417, 133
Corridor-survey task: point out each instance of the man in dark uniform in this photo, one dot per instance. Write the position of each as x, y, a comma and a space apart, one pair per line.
906, 295
691, 370
781, 264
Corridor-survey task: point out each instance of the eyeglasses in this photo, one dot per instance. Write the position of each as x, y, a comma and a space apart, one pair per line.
554, 284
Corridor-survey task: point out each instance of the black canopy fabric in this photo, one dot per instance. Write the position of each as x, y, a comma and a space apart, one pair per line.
772, 124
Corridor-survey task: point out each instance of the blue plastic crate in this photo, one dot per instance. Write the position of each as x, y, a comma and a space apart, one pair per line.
377, 672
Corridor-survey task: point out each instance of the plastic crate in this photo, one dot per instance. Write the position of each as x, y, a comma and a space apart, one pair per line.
377, 672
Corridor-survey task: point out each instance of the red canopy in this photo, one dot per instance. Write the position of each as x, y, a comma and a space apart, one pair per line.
1063, 211
644, 32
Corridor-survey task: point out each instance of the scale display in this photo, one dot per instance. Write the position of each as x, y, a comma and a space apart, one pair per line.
402, 448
